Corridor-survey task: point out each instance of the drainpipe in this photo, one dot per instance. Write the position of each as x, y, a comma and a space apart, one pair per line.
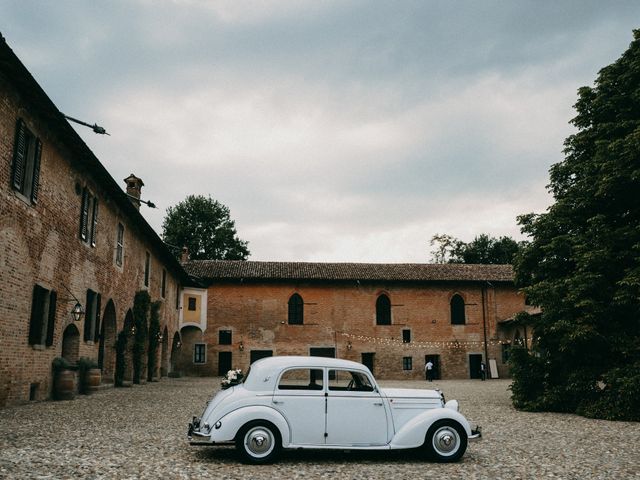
484, 328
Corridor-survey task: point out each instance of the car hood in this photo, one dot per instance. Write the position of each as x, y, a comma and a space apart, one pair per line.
407, 393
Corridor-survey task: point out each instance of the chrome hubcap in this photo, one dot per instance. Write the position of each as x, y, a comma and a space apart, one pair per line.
259, 441
446, 441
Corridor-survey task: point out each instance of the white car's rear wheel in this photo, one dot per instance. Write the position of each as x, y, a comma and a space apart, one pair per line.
446, 441
258, 442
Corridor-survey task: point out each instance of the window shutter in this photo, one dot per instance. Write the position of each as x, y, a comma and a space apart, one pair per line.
51, 324
88, 316
84, 214
94, 225
96, 336
36, 172
35, 326
19, 156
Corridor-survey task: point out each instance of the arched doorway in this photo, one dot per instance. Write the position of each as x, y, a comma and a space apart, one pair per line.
71, 343
107, 349
164, 354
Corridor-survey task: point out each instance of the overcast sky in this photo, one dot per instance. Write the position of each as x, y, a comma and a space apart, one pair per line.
333, 130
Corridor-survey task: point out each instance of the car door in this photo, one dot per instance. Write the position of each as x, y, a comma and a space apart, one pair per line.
300, 396
356, 412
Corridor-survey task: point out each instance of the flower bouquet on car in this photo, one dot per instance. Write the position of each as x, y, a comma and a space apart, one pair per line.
233, 377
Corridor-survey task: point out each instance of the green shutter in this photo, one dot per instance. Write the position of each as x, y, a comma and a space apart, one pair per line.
84, 214
51, 324
19, 157
36, 172
37, 313
96, 337
94, 224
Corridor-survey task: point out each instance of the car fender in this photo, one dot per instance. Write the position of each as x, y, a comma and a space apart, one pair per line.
234, 420
412, 434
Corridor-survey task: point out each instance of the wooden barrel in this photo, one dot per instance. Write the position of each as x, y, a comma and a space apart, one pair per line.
65, 385
94, 378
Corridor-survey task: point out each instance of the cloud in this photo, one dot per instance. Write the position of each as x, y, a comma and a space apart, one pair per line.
333, 130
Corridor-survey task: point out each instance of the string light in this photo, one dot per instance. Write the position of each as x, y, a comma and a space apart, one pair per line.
445, 344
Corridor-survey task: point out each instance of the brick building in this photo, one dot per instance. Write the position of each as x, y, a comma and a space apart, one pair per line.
68, 234
391, 317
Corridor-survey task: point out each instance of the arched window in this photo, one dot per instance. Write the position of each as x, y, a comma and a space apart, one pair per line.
296, 310
457, 310
383, 310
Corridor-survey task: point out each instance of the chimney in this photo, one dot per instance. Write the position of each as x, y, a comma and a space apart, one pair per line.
134, 186
184, 256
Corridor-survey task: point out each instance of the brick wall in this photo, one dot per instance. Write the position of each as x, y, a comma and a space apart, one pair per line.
343, 316
40, 244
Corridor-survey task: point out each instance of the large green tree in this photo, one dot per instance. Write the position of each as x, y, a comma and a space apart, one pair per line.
205, 227
582, 265
482, 249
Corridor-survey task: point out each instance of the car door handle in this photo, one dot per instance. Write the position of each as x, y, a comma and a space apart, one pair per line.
378, 404
277, 402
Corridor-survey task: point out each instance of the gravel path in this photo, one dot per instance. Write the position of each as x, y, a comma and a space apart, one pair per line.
140, 432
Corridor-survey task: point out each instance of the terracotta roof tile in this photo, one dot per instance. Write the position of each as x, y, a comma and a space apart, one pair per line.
403, 272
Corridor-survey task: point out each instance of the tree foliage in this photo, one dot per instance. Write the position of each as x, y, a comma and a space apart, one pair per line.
204, 226
482, 249
583, 263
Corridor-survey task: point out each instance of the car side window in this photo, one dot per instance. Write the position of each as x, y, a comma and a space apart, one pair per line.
301, 379
349, 380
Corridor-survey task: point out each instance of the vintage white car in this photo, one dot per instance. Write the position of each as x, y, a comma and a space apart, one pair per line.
327, 403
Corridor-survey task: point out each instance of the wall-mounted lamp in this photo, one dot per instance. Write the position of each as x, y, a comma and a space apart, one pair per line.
433, 321
95, 127
241, 346
148, 203
178, 344
159, 336
349, 346
132, 330
77, 311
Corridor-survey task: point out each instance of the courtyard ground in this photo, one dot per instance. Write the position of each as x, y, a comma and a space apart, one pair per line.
140, 432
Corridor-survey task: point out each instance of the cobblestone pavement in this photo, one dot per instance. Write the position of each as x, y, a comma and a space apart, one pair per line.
140, 432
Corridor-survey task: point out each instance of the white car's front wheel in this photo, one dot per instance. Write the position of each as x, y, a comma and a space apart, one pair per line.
258, 442
446, 441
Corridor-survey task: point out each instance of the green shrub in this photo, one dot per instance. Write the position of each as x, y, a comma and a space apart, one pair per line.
121, 359
527, 388
61, 363
617, 396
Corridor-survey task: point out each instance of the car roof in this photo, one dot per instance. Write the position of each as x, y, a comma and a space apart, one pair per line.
264, 371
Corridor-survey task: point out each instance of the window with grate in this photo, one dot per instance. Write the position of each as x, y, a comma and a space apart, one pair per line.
296, 310
200, 353
191, 304
407, 363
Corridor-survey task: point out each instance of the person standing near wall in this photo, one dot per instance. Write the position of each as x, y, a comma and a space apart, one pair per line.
428, 371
